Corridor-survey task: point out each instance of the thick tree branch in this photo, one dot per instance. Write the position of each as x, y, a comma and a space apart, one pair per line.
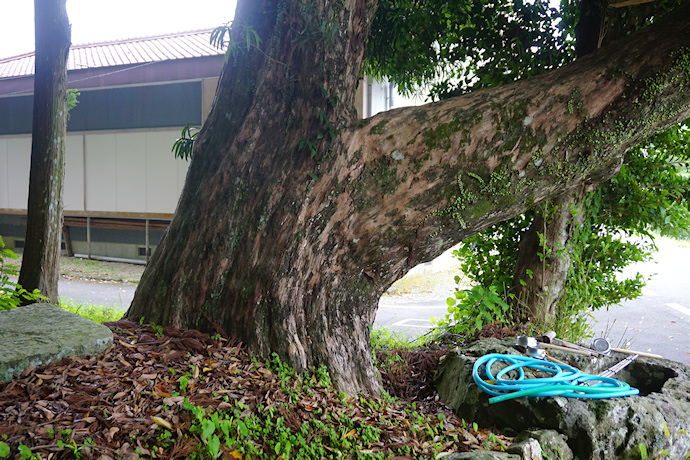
446, 170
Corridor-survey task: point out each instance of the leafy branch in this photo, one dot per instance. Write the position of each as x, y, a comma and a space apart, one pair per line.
251, 40
183, 146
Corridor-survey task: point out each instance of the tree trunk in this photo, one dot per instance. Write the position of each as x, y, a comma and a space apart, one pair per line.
544, 259
541, 269
289, 251
41, 259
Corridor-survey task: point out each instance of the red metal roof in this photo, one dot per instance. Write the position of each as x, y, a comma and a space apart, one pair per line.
131, 51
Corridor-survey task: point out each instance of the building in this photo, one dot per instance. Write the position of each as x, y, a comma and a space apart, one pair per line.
122, 182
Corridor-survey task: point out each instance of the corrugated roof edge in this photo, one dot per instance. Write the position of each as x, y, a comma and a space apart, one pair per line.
23, 64
143, 38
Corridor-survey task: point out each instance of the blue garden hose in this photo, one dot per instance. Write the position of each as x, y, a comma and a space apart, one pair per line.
564, 381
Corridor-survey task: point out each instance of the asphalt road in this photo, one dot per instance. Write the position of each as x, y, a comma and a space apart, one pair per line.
658, 322
98, 292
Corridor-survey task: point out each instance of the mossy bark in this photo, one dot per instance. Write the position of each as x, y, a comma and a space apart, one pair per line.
544, 258
541, 269
288, 248
40, 264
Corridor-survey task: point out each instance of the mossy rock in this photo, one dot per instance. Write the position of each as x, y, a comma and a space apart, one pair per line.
42, 333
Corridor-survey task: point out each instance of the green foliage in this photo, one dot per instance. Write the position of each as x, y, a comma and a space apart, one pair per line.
4, 450
183, 146
249, 38
651, 191
94, 312
472, 309
72, 100
458, 47
11, 293
450, 48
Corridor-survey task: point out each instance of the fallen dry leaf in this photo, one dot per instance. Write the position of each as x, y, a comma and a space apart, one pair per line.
161, 422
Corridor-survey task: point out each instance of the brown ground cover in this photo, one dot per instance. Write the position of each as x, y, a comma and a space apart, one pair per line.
129, 402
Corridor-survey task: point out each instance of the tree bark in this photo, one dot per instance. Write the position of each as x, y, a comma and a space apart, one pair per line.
290, 252
541, 269
544, 259
40, 264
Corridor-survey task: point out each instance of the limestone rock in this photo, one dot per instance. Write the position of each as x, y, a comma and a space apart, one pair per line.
550, 444
483, 455
598, 429
41, 333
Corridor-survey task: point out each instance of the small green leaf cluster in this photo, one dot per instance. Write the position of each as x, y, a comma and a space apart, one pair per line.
331, 426
216, 426
469, 310
12, 294
183, 146
249, 38
72, 99
64, 442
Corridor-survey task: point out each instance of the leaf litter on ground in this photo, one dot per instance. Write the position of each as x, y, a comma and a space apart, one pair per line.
134, 401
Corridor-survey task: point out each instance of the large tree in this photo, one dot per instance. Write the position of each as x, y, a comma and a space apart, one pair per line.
295, 216
40, 263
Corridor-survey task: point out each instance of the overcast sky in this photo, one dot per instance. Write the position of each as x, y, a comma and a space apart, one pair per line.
104, 20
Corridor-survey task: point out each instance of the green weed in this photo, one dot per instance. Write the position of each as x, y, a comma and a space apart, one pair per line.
94, 312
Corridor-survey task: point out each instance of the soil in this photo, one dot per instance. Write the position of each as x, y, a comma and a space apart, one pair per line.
95, 270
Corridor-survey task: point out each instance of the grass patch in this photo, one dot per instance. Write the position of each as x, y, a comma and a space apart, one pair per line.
72, 267
383, 338
94, 312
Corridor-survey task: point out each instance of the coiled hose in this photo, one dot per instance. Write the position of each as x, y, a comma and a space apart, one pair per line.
564, 380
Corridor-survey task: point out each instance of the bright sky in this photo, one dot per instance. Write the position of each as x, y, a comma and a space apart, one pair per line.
105, 20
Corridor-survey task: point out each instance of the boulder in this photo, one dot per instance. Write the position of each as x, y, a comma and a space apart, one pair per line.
657, 421
541, 445
483, 455
40, 333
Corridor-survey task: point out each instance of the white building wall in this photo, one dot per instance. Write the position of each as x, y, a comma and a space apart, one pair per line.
107, 173
100, 165
73, 195
15, 171
4, 176
165, 178
374, 96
